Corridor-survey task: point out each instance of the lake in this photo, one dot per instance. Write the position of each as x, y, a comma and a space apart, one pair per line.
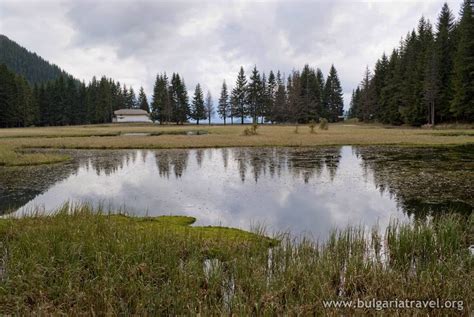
302, 190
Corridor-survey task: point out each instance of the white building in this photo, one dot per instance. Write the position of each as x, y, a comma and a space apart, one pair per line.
131, 115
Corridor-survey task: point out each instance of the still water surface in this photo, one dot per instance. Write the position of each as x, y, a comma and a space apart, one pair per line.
306, 191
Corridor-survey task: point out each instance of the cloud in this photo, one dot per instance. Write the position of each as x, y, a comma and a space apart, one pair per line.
207, 41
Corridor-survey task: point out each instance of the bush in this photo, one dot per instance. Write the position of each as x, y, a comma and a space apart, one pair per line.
352, 120
296, 129
252, 130
312, 125
323, 124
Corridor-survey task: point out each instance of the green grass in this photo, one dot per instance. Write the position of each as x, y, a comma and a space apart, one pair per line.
81, 262
9, 156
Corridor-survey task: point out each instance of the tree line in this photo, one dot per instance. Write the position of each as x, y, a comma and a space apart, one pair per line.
305, 96
64, 101
428, 79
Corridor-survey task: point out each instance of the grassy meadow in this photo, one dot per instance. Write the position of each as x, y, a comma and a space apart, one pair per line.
79, 260
114, 136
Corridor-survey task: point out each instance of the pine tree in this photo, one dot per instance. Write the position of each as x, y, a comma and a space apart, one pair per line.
318, 94
131, 99
294, 98
142, 100
270, 92
462, 105
239, 97
367, 98
391, 94
198, 111
280, 109
161, 104
444, 50
254, 95
309, 95
333, 98
431, 85
379, 82
224, 106
354, 111
179, 100
209, 106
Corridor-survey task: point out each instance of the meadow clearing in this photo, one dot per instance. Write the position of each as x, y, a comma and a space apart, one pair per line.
152, 136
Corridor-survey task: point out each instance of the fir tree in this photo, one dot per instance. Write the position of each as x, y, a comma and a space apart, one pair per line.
161, 104
334, 102
198, 111
254, 95
462, 105
179, 100
444, 50
239, 98
280, 109
224, 105
209, 106
142, 100
270, 92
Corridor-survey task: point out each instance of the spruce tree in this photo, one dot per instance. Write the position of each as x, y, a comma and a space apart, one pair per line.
131, 99
309, 95
367, 98
224, 105
254, 95
239, 96
179, 100
333, 97
142, 100
198, 111
280, 108
444, 50
270, 91
161, 104
209, 106
379, 82
294, 98
462, 105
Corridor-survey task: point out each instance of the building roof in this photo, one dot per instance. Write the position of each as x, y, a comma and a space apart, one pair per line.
133, 112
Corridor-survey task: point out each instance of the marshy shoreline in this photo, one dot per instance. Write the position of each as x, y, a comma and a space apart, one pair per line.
83, 259
80, 259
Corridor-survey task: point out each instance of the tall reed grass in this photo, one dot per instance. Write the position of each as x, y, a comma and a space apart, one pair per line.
79, 261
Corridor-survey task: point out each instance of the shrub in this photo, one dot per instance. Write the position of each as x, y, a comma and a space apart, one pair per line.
323, 124
312, 125
252, 130
352, 120
296, 129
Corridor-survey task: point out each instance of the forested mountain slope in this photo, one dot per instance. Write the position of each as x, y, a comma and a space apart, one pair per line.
23, 62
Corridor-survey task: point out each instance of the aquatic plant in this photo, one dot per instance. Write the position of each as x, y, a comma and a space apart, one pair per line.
81, 260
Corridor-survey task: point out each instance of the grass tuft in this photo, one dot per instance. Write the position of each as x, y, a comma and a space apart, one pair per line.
11, 157
81, 260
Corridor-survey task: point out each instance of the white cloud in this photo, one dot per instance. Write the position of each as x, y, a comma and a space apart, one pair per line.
207, 41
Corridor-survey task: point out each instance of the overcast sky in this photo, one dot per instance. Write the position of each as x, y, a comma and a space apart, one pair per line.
207, 41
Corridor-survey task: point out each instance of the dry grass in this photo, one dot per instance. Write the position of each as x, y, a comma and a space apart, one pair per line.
109, 136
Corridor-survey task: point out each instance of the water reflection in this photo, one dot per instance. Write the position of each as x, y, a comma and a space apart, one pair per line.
302, 190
